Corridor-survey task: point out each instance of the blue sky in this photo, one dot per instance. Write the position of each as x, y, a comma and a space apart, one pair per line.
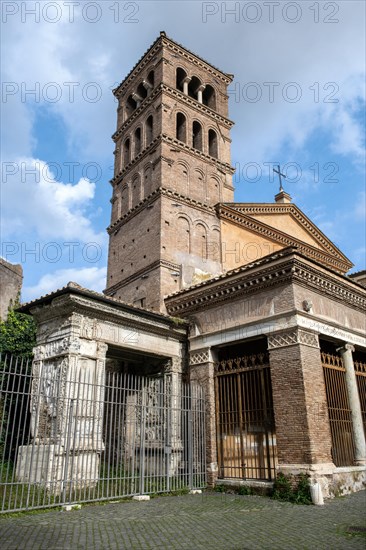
297, 99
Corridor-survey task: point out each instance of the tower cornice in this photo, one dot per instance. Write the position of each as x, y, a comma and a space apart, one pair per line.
159, 43
150, 199
139, 274
222, 167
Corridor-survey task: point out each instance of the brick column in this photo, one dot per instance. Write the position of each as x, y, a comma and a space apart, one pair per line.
201, 370
299, 399
354, 403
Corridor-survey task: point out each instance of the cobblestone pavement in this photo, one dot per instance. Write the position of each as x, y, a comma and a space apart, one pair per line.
208, 521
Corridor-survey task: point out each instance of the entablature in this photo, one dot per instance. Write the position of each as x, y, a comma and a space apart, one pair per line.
286, 266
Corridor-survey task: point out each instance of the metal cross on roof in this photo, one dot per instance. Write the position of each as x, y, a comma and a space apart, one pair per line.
280, 175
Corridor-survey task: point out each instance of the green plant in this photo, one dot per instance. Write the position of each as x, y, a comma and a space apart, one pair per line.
18, 334
244, 490
302, 494
288, 489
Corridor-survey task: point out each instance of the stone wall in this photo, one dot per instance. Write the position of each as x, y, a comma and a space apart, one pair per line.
11, 278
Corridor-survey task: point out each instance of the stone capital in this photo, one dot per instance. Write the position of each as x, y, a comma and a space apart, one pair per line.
173, 365
346, 347
201, 357
101, 350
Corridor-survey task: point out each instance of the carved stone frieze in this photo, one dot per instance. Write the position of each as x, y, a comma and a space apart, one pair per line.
292, 337
62, 346
199, 357
173, 365
38, 353
249, 279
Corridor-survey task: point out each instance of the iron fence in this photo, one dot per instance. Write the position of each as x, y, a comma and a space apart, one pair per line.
66, 437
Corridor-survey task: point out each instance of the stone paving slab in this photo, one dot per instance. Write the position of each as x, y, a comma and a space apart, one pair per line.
192, 522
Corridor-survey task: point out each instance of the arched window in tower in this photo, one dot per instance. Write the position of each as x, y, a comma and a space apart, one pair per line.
181, 76
119, 205
213, 190
197, 136
141, 93
193, 86
212, 144
130, 106
200, 241
148, 181
126, 152
213, 245
209, 97
182, 173
149, 130
183, 236
149, 82
137, 141
115, 206
136, 190
181, 131
120, 116
125, 199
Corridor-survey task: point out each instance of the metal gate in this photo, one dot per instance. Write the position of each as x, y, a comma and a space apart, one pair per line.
245, 426
340, 417
339, 411
360, 371
127, 436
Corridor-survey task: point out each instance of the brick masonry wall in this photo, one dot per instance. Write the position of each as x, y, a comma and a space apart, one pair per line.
203, 374
190, 238
301, 417
134, 246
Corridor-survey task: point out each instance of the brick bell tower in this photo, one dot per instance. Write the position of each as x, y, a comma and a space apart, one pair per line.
172, 165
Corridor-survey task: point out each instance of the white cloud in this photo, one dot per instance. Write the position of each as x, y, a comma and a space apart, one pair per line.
93, 278
36, 202
307, 53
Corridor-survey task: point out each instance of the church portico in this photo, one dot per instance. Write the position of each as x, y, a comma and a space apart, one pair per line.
260, 318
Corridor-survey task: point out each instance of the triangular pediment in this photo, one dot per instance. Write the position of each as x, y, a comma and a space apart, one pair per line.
285, 225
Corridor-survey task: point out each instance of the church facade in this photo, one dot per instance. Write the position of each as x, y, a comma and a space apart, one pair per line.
250, 300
